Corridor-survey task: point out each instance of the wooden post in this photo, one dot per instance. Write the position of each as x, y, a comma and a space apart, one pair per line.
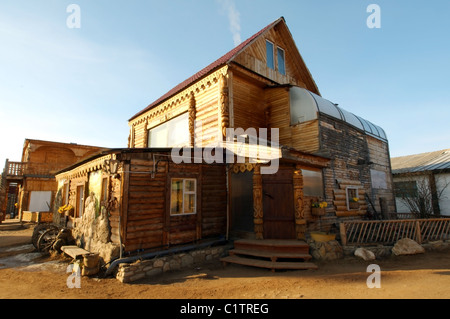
123, 212
258, 203
418, 233
343, 234
223, 104
300, 222
192, 115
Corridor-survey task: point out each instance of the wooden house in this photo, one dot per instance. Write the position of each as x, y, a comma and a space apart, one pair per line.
325, 154
426, 177
31, 183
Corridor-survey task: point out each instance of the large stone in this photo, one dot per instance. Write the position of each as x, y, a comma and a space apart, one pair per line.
407, 246
329, 250
364, 254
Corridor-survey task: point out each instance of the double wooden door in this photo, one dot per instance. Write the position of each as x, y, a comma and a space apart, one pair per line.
278, 205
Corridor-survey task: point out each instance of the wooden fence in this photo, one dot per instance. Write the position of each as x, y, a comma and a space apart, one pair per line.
390, 231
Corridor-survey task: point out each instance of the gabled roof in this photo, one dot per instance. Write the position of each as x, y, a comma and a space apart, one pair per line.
222, 61
423, 162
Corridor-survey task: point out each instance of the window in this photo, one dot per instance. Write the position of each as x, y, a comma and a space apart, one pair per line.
183, 196
66, 193
405, 189
80, 201
352, 198
269, 55
104, 194
171, 133
40, 201
312, 183
280, 61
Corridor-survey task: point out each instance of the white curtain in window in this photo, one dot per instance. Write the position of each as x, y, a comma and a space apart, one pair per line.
40, 201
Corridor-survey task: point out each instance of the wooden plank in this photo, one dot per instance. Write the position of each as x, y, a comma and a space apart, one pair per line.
268, 264
270, 254
74, 251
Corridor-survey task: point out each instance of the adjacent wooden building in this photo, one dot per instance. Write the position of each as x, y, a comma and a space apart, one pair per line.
29, 185
323, 154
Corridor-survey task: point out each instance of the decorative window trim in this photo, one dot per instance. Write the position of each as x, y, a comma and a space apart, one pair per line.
351, 192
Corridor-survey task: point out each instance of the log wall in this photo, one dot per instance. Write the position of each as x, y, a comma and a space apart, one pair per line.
148, 220
205, 96
304, 136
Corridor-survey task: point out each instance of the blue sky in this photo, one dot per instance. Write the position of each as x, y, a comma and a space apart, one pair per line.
82, 84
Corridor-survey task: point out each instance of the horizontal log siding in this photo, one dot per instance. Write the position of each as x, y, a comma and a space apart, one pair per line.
304, 136
148, 221
207, 114
347, 146
146, 205
248, 104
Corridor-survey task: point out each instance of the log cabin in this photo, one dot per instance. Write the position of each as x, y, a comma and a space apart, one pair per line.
327, 156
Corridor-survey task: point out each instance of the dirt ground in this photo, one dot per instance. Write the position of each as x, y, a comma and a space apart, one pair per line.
25, 274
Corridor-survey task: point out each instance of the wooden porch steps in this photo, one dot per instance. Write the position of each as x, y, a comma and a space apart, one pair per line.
271, 254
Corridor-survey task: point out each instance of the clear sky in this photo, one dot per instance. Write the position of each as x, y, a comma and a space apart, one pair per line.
81, 85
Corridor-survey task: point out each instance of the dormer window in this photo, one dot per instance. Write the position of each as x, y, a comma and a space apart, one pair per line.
280, 58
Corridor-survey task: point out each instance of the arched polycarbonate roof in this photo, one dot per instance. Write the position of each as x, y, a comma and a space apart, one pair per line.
326, 107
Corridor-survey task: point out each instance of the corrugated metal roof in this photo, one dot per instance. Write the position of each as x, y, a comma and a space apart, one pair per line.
431, 161
331, 109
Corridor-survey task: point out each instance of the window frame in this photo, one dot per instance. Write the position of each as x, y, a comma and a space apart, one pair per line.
284, 60
80, 198
405, 189
347, 195
66, 191
272, 53
184, 192
168, 130
104, 192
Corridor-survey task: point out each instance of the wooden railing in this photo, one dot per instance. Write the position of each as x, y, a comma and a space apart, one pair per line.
398, 216
15, 168
389, 231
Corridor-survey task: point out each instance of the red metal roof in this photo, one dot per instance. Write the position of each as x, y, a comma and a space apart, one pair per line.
210, 68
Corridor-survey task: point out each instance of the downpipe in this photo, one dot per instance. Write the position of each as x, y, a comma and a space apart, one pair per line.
161, 253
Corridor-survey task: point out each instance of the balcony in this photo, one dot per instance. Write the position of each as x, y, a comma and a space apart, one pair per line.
13, 170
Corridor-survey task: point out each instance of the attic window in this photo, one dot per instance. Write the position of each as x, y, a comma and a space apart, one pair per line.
280, 61
269, 55
174, 132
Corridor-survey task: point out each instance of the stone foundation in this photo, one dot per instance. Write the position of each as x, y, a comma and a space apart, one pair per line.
147, 268
325, 251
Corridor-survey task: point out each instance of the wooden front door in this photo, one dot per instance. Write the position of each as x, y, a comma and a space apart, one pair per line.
278, 205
